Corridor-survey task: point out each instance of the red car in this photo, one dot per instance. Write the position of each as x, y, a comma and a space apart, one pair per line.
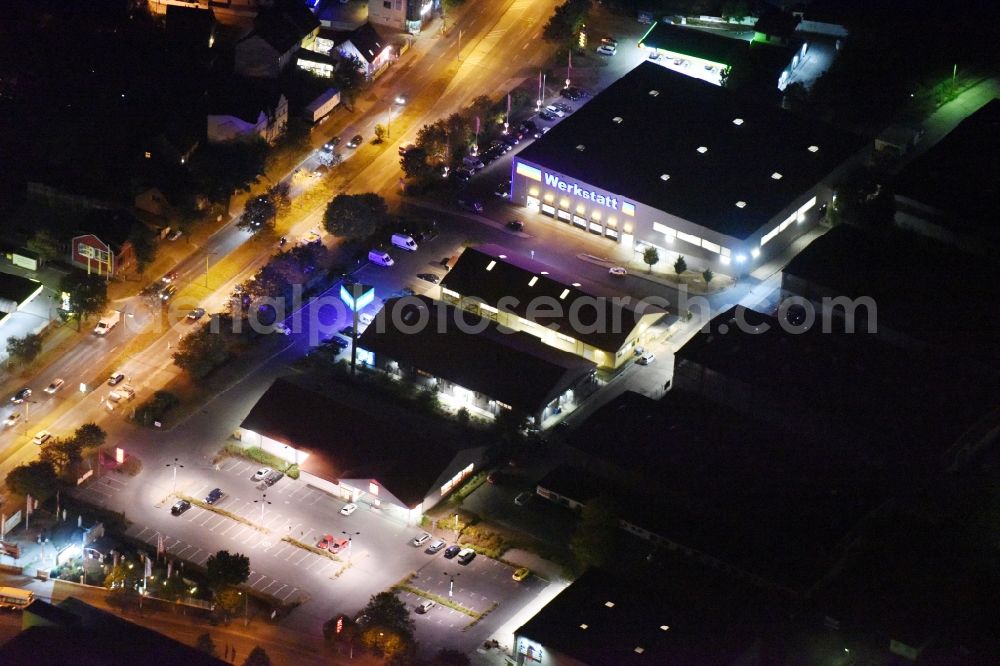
325, 542
338, 545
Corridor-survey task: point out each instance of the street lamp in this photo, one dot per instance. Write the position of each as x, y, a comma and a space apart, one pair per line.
451, 583
246, 606
207, 255
175, 464
262, 501
350, 541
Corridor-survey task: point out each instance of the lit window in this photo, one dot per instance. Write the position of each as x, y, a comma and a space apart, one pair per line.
609, 604
689, 238
776, 175
710, 246
741, 204
813, 149
664, 229
665, 177
490, 265
564, 294
564, 202
726, 252
617, 120
702, 149
532, 281
654, 93
580, 208
548, 196
740, 258
725, 261
373, 488
533, 191
755, 253
596, 215
737, 121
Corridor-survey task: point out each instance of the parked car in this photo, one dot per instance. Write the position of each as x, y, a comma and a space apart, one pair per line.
617, 271
273, 477
324, 542
337, 341
179, 507
21, 396
607, 50
521, 574
348, 331
565, 108
214, 496
338, 545
435, 546
122, 393
571, 93
502, 190
56, 384
429, 277
451, 551
555, 110
355, 141
466, 556
196, 314
116, 378
425, 606
13, 419
41, 437
515, 225
646, 358
261, 474
348, 509
523, 498
545, 114
511, 139
405, 149
471, 205
531, 128
610, 41
420, 539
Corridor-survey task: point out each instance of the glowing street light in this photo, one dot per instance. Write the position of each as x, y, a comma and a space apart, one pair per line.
350, 541
175, 464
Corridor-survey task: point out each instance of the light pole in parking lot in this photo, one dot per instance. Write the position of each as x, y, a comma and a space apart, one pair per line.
262, 501
175, 464
350, 541
451, 582
246, 607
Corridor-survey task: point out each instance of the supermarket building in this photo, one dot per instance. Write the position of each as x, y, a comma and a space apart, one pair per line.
660, 159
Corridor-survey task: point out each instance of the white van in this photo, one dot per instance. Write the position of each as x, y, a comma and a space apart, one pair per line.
404, 242
380, 257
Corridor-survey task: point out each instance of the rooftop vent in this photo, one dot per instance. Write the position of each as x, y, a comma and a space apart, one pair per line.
776, 175
737, 121
490, 265
617, 120
609, 604
533, 280
581, 147
813, 149
741, 204
654, 93
564, 294
664, 176
702, 149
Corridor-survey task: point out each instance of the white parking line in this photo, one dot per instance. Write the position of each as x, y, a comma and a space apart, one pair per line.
278, 591
294, 551
229, 529
293, 591
305, 554
181, 551
273, 582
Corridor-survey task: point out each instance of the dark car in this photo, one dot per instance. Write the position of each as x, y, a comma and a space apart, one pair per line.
515, 225
502, 190
348, 331
21, 396
511, 139
337, 341
461, 175
471, 205
546, 115
179, 507
531, 129
214, 496
196, 314
451, 551
168, 292
273, 477
355, 141
429, 277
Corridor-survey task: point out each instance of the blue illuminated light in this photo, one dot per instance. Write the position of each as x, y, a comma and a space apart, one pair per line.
363, 301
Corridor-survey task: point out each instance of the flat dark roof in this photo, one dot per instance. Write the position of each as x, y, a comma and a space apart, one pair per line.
660, 135
346, 443
603, 618
496, 279
695, 43
849, 261
960, 175
16, 288
513, 367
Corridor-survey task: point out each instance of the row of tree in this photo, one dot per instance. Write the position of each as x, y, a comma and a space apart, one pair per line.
43, 477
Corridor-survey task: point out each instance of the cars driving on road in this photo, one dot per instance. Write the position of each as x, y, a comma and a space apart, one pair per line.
12, 420
471, 205
349, 509
116, 378
196, 314
355, 141
617, 271
21, 396
214, 496
451, 551
179, 507
55, 385
420, 539
465, 556
515, 225
168, 292
261, 474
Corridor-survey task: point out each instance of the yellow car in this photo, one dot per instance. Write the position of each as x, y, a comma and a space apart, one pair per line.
521, 574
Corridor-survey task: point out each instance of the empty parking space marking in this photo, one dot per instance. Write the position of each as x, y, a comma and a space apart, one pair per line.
290, 593
305, 554
273, 582
180, 553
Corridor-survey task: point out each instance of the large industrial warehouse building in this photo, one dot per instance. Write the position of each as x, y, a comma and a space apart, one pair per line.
661, 159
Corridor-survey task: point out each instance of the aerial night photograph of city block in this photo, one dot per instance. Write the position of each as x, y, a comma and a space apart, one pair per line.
499, 332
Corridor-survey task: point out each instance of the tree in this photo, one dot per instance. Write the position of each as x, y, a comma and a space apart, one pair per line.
651, 257
680, 265
355, 216
387, 612
414, 164
707, 275
37, 478
90, 436
201, 352
45, 244
88, 293
143, 241
380, 132
258, 215
386, 642
564, 25
60, 453
593, 541
229, 599
225, 568
735, 10
449, 657
27, 348
224, 168
205, 643
257, 657
280, 196
434, 140
349, 77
